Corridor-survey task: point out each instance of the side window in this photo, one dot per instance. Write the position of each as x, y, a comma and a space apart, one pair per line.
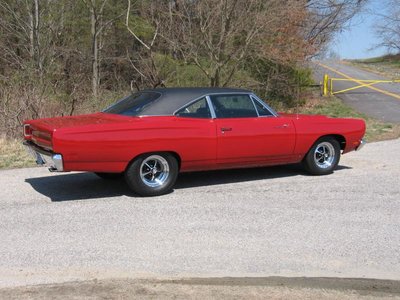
233, 106
198, 109
262, 110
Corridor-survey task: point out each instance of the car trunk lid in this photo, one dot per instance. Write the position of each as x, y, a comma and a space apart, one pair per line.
41, 131
51, 124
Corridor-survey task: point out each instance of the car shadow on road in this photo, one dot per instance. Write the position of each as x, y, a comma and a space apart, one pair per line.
86, 186
196, 179
78, 186
207, 178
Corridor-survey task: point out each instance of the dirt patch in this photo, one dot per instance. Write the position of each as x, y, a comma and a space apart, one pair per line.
212, 288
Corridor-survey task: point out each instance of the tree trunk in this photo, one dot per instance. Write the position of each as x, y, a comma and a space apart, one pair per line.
215, 80
31, 32
34, 35
95, 52
38, 52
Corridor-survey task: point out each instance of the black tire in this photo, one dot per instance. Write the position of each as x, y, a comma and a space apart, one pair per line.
109, 176
323, 157
152, 174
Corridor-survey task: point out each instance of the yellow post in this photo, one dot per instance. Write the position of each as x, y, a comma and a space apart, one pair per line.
325, 86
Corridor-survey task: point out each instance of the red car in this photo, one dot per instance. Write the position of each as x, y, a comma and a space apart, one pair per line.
152, 135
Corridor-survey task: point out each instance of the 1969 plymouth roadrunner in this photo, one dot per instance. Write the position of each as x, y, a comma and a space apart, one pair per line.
152, 135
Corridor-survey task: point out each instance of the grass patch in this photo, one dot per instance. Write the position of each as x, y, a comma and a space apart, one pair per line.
393, 59
334, 107
14, 155
387, 65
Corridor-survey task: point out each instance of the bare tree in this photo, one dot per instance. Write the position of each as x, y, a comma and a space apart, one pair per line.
215, 35
29, 32
388, 27
96, 14
327, 17
147, 63
45, 45
97, 26
22, 26
218, 35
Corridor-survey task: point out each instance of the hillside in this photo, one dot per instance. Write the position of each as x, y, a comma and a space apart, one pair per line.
387, 65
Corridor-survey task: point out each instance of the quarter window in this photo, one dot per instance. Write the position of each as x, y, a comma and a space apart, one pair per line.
233, 106
198, 109
261, 109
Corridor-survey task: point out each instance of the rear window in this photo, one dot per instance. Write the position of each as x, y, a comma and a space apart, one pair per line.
134, 104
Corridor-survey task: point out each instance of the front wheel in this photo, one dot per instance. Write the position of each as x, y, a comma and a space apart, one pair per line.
323, 157
152, 174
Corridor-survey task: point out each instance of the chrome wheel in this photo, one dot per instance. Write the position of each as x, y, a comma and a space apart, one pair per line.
152, 174
324, 155
154, 171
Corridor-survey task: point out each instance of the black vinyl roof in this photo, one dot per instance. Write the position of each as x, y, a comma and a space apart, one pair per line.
172, 99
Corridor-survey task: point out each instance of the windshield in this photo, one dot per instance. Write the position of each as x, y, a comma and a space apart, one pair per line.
134, 104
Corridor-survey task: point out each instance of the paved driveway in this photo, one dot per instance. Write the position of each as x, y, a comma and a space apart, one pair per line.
253, 222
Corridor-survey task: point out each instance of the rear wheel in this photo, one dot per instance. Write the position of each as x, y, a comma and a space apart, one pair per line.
152, 174
323, 157
109, 176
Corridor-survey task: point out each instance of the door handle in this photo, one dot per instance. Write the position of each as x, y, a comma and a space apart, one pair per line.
223, 129
282, 126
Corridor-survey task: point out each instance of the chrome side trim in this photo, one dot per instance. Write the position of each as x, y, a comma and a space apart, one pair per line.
362, 144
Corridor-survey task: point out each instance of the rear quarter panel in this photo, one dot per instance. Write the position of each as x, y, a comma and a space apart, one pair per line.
110, 147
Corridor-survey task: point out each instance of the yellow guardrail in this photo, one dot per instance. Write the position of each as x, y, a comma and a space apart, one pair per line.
327, 86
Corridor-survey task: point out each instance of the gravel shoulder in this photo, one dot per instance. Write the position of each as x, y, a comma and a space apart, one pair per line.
212, 288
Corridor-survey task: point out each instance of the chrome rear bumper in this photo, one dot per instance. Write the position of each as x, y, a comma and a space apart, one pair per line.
45, 158
362, 144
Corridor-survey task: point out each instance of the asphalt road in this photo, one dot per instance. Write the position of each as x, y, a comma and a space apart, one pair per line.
254, 222
382, 101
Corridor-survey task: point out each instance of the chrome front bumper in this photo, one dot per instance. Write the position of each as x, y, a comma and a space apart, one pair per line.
362, 144
45, 158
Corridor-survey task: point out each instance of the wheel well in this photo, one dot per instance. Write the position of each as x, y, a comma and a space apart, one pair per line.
176, 155
178, 158
339, 138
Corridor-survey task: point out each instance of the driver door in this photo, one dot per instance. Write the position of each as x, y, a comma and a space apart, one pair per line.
247, 135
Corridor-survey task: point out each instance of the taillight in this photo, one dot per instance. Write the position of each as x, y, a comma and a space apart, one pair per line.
41, 135
27, 130
42, 139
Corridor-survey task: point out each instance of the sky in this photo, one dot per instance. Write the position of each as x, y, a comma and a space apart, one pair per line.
359, 38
